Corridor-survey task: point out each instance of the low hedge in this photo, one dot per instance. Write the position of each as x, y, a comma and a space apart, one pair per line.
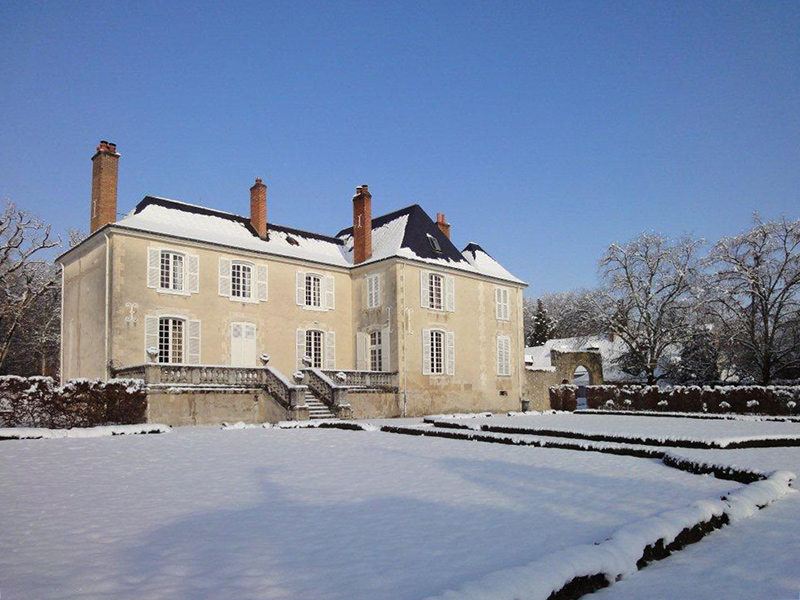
39, 402
753, 399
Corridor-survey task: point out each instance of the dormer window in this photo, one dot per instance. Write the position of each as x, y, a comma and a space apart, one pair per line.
434, 244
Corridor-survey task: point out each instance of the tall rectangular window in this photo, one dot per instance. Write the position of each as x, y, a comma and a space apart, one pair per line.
373, 291
241, 280
501, 304
437, 352
503, 355
314, 340
313, 290
435, 285
170, 340
171, 271
375, 351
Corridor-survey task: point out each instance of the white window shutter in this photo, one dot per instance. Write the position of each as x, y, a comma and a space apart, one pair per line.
262, 282
450, 354
330, 293
301, 347
153, 267
300, 289
450, 293
426, 351
193, 342
499, 354
385, 347
379, 301
424, 284
150, 334
498, 314
192, 273
361, 351
225, 277
330, 350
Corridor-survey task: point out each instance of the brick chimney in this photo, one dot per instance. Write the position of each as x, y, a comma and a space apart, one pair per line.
105, 165
362, 224
258, 207
443, 225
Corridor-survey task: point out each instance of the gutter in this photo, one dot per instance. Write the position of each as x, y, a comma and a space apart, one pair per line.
108, 305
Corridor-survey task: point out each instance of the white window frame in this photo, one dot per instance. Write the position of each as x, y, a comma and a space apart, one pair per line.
173, 259
503, 349
308, 286
445, 299
445, 364
502, 307
373, 285
249, 286
168, 324
375, 350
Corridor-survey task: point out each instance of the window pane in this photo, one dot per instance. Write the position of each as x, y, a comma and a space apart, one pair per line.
435, 291
313, 290
375, 351
314, 347
177, 272
437, 352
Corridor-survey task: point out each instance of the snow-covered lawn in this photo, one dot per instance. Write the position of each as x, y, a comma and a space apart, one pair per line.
716, 431
756, 558
304, 513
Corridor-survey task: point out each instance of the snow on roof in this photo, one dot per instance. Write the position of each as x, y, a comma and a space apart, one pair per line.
160, 215
404, 233
484, 263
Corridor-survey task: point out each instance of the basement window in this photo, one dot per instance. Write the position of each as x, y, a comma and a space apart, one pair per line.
434, 244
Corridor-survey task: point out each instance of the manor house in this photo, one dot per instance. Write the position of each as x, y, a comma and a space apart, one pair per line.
230, 317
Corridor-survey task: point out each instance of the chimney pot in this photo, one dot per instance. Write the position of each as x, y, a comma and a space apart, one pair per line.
442, 224
105, 175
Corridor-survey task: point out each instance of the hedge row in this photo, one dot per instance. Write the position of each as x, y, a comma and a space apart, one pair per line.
754, 399
39, 402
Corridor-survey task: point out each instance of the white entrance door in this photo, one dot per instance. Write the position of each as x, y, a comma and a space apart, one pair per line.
243, 344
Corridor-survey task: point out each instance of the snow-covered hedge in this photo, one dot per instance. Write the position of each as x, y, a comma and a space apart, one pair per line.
754, 399
39, 402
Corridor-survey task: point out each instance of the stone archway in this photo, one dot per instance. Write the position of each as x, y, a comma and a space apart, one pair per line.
566, 363
581, 377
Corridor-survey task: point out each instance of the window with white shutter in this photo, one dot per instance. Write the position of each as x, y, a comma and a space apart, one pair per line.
173, 272
330, 293
361, 350
437, 291
450, 353
501, 306
330, 350
503, 355
450, 293
373, 291
241, 281
375, 351
385, 364
262, 285
225, 277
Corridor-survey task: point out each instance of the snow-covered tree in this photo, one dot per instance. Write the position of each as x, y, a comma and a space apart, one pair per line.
649, 299
542, 326
572, 314
756, 299
26, 277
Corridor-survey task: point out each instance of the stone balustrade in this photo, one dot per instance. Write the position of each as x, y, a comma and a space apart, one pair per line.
378, 380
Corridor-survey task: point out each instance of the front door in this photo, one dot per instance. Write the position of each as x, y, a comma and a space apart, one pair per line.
243, 344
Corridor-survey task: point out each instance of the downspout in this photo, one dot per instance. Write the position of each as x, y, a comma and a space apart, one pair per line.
403, 327
108, 305
61, 338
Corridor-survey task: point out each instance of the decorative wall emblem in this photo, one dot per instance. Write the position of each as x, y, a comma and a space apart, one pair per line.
131, 317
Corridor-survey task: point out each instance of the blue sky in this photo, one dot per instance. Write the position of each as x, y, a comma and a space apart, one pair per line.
545, 131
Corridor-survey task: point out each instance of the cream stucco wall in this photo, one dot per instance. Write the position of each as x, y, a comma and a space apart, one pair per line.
83, 339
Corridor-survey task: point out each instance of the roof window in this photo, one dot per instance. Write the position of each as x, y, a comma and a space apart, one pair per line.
434, 243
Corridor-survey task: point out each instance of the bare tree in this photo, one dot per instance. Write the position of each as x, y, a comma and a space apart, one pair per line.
756, 299
649, 298
25, 275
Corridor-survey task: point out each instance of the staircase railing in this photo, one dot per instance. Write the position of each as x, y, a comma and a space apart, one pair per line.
376, 380
331, 393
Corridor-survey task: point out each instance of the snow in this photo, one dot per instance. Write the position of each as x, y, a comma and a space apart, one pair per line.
488, 266
27, 433
756, 558
316, 513
219, 230
720, 432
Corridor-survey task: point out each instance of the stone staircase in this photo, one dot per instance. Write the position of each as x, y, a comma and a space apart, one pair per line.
316, 408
